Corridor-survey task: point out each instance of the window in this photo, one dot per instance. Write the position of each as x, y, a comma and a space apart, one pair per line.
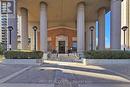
7, 7
74, 46
49, 45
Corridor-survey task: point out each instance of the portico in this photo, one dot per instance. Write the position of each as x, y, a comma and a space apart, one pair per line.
73, 17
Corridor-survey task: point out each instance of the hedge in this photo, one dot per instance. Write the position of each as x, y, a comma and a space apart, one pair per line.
23, 54
1, 49
107, 54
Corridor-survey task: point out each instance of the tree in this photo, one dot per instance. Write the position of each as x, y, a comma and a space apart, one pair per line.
1, 49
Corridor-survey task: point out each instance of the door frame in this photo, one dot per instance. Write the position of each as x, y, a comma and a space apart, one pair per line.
60, 46
62, 38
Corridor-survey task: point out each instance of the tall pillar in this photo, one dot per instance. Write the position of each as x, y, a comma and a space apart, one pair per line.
127, 2
24, 29
101, 29
81, 27
124, 22
12, 21
43, 26
115, 39
128, 10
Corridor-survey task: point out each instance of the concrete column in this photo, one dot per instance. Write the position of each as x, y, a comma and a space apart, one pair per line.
128, 20
127, 7
24, 29
12, 21
128, 23
115, 33
88, 36
101, 29
81, 27
125, 22
43, 26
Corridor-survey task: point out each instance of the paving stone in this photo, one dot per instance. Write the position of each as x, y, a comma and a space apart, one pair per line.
6, 70
69, 76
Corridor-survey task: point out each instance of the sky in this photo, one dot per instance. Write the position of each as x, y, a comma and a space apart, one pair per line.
107, 30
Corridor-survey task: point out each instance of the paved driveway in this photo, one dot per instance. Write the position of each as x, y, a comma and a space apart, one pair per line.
63, 74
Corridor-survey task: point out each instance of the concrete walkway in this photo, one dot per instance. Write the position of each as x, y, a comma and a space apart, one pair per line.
64, 74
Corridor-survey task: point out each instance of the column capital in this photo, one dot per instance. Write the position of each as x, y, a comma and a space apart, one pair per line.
101, 10
24, 11
42, 3
22, 8
117, 0
81, 4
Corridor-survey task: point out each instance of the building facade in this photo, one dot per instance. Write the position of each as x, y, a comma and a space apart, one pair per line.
62, 24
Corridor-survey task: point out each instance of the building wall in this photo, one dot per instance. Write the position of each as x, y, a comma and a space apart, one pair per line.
54, 33
3, 27
0, 26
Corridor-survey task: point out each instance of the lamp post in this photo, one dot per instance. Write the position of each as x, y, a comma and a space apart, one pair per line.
91, 29
10, 28
124, 28
35, 29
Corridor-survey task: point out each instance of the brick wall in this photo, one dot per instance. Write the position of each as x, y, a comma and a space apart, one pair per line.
57, 32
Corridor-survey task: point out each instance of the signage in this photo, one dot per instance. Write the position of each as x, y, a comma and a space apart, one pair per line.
7, 7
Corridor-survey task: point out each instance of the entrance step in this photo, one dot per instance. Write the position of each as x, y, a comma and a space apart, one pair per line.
65, 58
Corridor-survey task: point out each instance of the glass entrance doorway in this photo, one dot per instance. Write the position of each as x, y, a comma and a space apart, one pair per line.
61, 46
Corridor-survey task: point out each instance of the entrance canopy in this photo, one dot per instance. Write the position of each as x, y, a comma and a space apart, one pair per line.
62, 12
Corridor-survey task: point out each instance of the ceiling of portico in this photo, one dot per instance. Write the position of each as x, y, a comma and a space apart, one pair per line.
62, 12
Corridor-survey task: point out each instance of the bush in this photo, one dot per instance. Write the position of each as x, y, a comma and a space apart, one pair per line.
23, 54
1, 49
107, 54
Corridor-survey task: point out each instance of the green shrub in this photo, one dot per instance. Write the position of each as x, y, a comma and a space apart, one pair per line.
22, 54
1, 49
107, 54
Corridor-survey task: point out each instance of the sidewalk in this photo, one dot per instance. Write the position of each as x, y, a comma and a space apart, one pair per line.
63, 74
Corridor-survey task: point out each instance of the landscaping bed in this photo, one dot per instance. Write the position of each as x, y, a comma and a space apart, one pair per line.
23, 54
1, 57
1, 52
106, 57
23, 57
107, 54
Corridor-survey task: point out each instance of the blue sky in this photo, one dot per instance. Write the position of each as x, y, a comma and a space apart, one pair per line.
107, 30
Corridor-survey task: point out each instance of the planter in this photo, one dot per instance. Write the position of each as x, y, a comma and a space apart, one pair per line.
23, 61
106, 61
85, 61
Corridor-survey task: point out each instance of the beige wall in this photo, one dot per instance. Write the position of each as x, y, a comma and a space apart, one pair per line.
56, 24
